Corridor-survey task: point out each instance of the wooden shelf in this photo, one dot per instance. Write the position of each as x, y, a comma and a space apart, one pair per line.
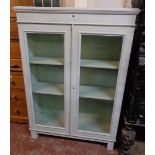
48, 88
47, 61
103, 93
99, 64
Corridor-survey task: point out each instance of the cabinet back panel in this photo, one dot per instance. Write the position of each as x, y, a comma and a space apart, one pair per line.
49, 110
101, 47
98, 77
47, 73
46, 45
95, 115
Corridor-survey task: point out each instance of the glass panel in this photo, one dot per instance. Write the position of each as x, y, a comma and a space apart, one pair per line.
47, 73
49, 110
100, 57
46, 45
46, 57
95, 115
98, 47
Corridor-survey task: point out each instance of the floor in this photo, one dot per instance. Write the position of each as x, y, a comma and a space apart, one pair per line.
23, 144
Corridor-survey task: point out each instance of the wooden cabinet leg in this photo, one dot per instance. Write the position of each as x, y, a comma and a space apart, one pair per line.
34, 134
110, 146
127, 140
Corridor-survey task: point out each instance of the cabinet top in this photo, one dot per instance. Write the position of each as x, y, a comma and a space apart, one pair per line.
83, 16
65, 10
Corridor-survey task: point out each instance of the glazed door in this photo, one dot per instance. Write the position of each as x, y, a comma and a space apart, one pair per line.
46, 62
101, 56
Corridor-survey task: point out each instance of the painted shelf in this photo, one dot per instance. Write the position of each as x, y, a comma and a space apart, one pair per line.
99, 64
48, 88
47, 61
93, 92
103, 93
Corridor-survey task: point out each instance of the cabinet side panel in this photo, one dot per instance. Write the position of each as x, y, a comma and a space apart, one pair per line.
123, 68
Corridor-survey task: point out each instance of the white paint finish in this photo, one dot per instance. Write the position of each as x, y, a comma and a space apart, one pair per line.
44, 20
123, 16
94, 30
84, 19
34, 134
123, 68
67, 77
26, 72
99, 64
110, 146
48, 29
93, 92
41, 130
49, 129
61, 10
74, 69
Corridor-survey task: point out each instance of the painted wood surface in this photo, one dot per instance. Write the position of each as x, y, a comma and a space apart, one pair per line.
99, 64
48, 88
80, 85
47, 61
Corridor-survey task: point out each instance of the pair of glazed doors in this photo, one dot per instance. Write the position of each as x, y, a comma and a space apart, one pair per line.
74, 77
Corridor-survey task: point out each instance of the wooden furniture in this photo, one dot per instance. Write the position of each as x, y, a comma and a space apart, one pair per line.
75, 63
18, 109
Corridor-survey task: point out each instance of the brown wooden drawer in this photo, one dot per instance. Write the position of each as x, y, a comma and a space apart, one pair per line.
18, 110
15, 49
13, 29
19, 3
17, 97
15, 65
16, 80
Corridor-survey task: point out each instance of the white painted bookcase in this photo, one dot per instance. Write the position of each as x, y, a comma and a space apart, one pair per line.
75, 63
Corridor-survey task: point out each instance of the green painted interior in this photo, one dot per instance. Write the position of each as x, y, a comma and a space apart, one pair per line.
46, 45
98, 47
49, 110
48, 73
98, 77
95, 115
